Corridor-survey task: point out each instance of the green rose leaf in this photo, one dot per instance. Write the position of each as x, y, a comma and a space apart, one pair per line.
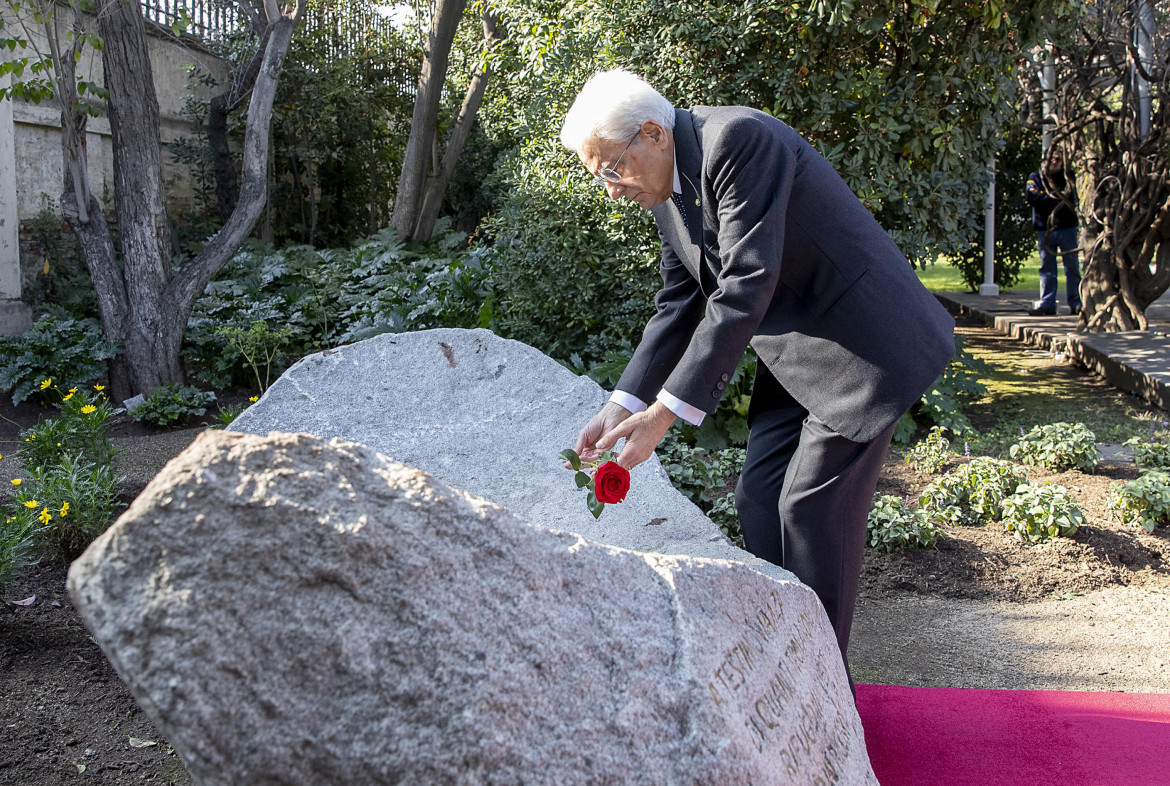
582, 480
595, 507
571, 456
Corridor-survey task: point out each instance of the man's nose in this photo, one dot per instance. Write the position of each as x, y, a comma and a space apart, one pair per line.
613, 190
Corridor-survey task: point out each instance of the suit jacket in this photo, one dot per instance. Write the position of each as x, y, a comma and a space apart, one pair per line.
781, 254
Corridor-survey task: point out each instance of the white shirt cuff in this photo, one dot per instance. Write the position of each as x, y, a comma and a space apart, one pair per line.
692, 415
630, 402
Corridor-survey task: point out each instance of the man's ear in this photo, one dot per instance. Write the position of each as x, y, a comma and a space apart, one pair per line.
657, 135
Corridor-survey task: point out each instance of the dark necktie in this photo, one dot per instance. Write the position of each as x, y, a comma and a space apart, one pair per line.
678, 202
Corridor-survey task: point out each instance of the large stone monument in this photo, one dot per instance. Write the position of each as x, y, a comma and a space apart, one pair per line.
291, 610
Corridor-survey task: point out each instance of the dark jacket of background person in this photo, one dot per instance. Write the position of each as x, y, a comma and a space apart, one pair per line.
793, 263
1048, 211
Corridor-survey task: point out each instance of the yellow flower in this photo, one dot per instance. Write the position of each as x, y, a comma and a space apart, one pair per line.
32, 503
254, 399
45, 383
17, 481
66, 398
87, 409
72, 391
64, 509
45, 517
99, 388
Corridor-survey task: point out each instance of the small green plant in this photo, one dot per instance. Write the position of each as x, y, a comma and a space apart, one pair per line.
225, 415
259, 345
972, 494
1058, 446
16, 544
701, 475
70, 351
67, 504
82, 429
172, 405
1148, 454
931, 454
1144, 502
893, 524
1040, 511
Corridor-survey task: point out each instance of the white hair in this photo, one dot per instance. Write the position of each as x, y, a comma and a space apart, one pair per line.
612, 106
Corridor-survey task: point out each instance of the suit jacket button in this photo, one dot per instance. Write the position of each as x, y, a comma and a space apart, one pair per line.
724, 377
714, 394
721, 385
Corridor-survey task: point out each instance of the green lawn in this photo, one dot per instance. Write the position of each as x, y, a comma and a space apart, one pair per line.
944, 277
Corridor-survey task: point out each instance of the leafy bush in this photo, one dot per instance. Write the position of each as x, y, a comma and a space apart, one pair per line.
930, 455
972, 494
700, 475
70, 351
1144, 502
16, 542
71, 501
172, 405
1058, 446
320, 298
892, 525
67, 496
1040, 511
1148, 454
82, 429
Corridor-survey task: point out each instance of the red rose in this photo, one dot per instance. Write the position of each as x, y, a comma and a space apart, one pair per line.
611, 482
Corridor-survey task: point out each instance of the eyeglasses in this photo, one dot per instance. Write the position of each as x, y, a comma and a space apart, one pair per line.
610, 173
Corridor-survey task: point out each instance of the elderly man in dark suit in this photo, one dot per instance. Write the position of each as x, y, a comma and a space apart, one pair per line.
763, 243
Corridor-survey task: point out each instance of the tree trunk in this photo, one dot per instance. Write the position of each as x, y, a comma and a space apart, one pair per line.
227, 189
429, 212
141, 303
424, 121
149, 356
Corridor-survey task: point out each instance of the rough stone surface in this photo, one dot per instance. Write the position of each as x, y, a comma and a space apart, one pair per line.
489, 416
300, 612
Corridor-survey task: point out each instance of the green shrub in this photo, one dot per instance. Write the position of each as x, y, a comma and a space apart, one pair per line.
931, 454
172, 405
16, 542
1040, 511
82, 429
700, 475
67, 504
972, 494
1148, 454
1144, 502
892, 525
1058, 446
62, 349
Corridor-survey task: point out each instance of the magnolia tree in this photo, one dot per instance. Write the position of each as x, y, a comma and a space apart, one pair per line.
143, 301
1109, 116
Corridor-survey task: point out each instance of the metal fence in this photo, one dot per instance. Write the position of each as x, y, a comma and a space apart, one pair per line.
202, 18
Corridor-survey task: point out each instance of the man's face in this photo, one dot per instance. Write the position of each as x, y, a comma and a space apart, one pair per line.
646, 167
1055, 162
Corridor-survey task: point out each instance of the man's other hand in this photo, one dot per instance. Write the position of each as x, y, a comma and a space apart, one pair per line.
604, 421
642, 432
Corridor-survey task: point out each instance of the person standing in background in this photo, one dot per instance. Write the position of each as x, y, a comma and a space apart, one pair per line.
1052, 195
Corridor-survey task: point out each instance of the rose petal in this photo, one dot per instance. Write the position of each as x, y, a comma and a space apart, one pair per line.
25, 602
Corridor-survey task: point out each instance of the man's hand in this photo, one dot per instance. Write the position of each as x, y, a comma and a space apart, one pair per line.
604, 421
643, 432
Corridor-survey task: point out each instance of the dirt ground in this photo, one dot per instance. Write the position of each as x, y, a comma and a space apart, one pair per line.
981, 610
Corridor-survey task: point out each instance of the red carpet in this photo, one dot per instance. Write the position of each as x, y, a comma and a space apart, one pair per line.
952, 737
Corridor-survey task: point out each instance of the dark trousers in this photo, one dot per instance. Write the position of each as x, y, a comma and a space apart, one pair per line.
804, 497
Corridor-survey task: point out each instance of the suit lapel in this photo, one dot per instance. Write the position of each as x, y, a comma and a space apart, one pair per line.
688, 156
